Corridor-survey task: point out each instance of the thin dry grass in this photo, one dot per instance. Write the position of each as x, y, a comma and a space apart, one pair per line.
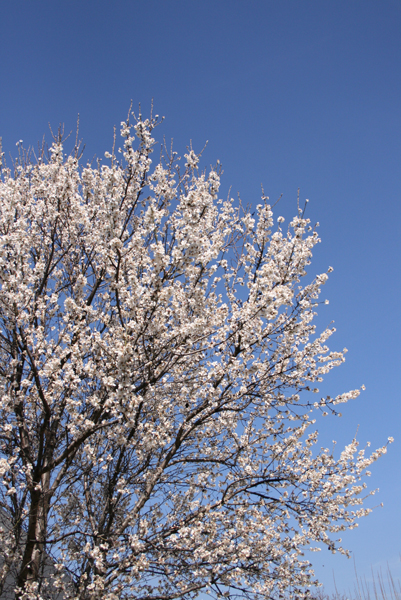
382, 586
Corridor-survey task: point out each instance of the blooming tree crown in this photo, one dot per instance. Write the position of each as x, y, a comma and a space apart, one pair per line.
158, 363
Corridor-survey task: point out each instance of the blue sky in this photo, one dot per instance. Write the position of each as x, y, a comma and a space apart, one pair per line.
292, 94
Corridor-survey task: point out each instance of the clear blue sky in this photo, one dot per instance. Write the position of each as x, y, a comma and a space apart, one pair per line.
289, 94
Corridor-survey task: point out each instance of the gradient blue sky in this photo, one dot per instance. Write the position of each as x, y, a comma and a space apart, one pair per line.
289, 94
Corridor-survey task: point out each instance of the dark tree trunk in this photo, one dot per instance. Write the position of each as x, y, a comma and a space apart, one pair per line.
36, 535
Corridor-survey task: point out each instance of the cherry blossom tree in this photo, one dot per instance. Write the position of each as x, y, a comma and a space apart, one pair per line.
158, 368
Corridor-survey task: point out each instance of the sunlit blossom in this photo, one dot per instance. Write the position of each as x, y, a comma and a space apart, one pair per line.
158, 365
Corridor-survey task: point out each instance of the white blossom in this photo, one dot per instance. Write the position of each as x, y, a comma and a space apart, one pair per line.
158, 365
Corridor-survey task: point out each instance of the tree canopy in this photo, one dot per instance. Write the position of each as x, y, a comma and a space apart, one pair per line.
158, 371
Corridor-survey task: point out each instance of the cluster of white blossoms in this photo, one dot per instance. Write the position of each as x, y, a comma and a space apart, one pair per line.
157, 363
